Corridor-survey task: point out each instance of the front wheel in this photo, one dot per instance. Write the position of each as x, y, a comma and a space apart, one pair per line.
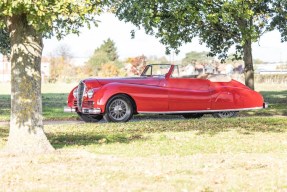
119, 109
225, 114
90, 118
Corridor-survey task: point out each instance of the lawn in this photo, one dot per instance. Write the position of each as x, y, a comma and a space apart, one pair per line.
240, 154
155, 153
54, 97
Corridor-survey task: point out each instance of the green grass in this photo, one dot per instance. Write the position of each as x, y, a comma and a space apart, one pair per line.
54, 97
169, 137
172, 137
175, 137
240, 154
53, 104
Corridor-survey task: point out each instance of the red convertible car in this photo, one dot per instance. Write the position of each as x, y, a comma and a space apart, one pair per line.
161, 89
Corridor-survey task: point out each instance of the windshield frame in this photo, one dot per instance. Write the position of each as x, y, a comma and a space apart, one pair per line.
143, 74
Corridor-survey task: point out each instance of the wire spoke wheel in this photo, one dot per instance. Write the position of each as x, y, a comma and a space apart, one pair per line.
119, 109
225, 114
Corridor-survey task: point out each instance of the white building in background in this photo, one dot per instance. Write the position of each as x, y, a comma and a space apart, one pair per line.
5, 71
270, 68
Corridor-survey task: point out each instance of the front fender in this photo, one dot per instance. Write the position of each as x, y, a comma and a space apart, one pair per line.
70, 100
146, 97
103, 94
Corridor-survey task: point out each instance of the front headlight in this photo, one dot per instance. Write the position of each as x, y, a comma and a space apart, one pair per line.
90, 93
75, 93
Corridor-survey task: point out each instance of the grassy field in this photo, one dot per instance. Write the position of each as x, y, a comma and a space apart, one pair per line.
240, 154
162, 153
54, 98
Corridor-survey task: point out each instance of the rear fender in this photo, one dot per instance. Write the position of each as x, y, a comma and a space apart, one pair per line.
236, 98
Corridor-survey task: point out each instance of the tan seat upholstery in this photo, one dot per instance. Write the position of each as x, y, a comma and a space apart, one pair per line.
219, 78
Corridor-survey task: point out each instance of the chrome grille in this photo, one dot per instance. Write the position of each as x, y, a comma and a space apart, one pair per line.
81, 91
88, 104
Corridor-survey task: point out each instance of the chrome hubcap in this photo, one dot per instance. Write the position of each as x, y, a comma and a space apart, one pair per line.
118, 109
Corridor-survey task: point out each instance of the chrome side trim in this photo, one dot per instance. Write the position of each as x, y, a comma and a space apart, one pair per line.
199, 111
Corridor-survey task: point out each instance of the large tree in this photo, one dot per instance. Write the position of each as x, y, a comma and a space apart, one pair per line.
220, 24
194, 56
27, 22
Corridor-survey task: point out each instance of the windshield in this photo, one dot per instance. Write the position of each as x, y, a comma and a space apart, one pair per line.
156, 70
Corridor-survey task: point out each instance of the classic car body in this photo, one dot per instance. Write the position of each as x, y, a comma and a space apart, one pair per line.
162, 89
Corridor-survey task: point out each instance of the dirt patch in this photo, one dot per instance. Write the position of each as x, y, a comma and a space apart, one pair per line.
79, 170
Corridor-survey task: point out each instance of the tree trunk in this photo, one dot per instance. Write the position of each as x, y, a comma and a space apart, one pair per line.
26, 123
248, 62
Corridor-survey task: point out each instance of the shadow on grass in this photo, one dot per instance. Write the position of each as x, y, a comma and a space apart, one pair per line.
60, 141
246, 126
275, 97
108, 133
212, 126
4, 132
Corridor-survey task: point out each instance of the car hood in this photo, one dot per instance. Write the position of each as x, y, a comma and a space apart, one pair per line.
130, 80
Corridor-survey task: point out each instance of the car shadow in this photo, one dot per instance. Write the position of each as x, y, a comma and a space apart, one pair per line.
64, 139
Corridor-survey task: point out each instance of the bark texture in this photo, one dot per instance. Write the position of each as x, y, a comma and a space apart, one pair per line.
248, 62
26, 123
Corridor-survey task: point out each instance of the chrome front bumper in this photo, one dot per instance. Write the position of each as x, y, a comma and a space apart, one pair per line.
91, 111
84, 110
69, 110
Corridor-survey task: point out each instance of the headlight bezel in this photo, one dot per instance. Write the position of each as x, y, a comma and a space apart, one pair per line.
90, 93
75, 93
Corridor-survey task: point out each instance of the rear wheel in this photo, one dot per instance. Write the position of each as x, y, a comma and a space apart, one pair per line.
90, 118
192, 115
119, 109
225, 114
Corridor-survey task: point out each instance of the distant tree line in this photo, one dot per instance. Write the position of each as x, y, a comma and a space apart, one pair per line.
104, 62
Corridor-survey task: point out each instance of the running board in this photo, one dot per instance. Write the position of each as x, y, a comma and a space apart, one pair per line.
199, 111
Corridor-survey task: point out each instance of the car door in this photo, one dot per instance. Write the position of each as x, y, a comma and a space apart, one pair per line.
188, 94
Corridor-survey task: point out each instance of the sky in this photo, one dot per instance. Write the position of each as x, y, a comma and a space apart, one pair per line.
269, 48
